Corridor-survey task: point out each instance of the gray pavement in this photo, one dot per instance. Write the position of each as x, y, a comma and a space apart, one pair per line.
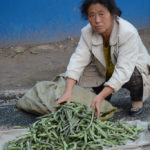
122, 101
10, 116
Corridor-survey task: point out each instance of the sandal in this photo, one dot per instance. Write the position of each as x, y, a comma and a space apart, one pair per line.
135, 111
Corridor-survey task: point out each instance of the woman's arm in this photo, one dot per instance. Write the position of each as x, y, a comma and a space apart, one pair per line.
127, 58
66, 97
81, 57
78, 61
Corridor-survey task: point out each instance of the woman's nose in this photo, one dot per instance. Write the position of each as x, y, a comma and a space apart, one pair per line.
97, 19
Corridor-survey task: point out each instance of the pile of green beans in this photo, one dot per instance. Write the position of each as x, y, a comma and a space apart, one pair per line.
73, 127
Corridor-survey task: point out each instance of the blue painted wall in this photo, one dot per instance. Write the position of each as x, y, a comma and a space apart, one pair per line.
35, 21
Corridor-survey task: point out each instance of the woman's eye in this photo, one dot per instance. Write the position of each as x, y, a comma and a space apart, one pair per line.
101, 14
91, 16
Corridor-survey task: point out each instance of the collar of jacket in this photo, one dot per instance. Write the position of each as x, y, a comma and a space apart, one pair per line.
98, 40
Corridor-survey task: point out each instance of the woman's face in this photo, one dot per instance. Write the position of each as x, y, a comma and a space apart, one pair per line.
100, 19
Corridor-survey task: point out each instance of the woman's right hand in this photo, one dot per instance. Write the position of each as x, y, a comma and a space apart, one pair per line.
66, 97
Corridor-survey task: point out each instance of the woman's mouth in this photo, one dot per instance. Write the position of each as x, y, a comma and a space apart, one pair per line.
98, 27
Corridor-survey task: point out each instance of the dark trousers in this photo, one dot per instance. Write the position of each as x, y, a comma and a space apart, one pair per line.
134, 85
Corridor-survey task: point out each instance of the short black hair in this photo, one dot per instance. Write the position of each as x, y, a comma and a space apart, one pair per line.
109, 4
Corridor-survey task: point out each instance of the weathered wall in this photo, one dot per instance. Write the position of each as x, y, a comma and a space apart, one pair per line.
34, 21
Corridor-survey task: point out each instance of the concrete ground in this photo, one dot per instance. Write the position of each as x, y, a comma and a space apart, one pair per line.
10, 116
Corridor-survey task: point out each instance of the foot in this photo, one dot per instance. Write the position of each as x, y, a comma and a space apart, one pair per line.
137, 104
137, 108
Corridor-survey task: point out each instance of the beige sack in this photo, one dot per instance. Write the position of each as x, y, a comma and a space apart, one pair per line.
42, 97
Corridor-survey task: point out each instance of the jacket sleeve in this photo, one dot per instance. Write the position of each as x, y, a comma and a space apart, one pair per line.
79, 59
126, 62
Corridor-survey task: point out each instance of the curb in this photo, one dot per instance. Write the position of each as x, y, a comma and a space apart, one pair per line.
12, 94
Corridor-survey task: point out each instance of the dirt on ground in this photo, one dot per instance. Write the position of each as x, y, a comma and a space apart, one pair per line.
23, 65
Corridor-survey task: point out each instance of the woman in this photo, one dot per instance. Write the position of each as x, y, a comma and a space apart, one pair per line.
114, 45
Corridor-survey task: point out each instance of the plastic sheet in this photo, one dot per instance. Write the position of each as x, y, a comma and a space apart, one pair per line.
142, 143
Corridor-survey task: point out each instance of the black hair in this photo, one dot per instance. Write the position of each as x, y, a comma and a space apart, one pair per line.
109, 4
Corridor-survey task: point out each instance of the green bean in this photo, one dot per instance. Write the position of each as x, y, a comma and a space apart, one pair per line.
101, 131
74, 146
85, 137
127, 128
91, 120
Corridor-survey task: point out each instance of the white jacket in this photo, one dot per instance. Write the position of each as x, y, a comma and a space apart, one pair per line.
127, 51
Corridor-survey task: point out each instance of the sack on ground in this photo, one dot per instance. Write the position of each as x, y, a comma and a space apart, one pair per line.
42, 97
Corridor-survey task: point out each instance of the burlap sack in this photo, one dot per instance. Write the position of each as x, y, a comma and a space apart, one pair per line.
42, 97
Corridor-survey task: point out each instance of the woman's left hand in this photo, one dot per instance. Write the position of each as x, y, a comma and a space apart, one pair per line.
96, 104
